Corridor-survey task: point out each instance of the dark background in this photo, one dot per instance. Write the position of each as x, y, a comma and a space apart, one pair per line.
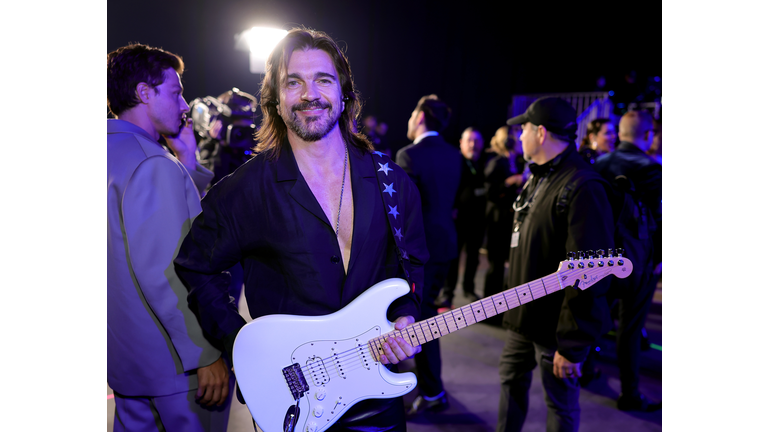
474, 55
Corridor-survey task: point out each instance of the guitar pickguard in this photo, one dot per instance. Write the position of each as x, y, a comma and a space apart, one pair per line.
341, 373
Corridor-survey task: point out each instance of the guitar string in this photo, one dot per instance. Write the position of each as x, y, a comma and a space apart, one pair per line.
345, 358
550, 284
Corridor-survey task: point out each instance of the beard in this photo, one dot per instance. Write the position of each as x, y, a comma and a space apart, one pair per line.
312, 128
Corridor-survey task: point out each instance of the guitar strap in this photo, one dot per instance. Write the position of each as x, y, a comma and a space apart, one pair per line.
394, 206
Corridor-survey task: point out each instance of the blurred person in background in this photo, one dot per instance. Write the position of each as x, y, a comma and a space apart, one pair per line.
631, 170
600, 139
503, 180
225, 126
469, 219
655, 150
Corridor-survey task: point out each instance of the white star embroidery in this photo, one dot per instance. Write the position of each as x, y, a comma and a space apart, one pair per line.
393, 211
389, 188
378, 153
405, 255
385, 168
398, 234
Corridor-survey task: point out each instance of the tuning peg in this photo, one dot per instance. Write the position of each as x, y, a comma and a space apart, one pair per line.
581, 255
600, 253
590, 254
610, 253
571, 256
619, 252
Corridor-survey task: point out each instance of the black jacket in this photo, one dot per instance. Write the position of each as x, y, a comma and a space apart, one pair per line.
435, 168
643, 170
550, 227
265, 216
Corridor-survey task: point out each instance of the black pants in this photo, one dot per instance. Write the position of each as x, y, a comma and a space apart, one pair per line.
498, 245
428, 362
634, 295
634, 302
470, 232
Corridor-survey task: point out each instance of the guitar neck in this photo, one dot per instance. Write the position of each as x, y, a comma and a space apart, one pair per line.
448, 322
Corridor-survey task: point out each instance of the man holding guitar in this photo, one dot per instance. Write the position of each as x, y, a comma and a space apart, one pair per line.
313, 225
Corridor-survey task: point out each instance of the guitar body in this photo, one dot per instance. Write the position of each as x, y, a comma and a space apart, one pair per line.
333, 354
301, 373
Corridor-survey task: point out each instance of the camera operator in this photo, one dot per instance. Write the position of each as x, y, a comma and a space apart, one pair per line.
225, 127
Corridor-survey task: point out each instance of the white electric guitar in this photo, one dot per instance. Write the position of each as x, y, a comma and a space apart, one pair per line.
302, 373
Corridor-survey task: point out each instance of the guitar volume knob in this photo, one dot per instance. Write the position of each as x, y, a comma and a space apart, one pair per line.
311, 427
320, 394
318, 411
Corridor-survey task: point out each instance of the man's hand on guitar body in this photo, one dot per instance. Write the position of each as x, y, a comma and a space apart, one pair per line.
397, 349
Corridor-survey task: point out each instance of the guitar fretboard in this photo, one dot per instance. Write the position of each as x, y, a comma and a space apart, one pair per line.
448, 322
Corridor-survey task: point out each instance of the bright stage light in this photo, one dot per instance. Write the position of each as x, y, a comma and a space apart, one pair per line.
261, 42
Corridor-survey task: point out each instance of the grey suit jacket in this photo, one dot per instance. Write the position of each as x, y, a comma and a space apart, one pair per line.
154, 342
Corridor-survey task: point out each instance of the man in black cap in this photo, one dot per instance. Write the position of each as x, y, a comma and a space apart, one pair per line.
563, 207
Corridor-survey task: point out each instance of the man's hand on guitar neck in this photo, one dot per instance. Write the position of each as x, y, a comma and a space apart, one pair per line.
397, 349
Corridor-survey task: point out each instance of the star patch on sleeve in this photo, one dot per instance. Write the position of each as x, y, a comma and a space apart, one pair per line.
389, 188
393, 211
385, 168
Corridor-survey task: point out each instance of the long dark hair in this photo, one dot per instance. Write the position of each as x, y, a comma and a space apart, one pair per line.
273, 131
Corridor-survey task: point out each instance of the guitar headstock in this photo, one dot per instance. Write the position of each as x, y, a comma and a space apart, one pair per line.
590, 266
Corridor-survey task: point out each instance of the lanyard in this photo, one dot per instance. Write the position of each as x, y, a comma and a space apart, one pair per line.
521, 210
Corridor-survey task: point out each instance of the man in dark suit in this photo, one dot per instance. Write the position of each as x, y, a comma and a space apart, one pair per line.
435, 168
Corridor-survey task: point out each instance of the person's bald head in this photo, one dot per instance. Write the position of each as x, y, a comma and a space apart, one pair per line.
637, 127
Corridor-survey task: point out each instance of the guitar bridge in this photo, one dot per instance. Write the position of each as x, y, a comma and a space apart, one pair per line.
294, 377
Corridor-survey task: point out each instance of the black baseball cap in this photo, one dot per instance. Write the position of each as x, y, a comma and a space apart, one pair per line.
554, 113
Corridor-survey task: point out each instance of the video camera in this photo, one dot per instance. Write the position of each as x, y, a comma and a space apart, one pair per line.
235, 109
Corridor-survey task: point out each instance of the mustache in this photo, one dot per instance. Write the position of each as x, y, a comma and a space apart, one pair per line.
310, 105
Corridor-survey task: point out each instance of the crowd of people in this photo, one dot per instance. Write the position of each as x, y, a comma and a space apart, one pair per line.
198, 215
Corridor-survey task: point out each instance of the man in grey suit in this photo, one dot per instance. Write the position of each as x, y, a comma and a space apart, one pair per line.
164, 373
435, 168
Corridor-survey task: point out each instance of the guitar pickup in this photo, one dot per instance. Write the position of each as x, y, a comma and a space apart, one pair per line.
316, 368
294, 377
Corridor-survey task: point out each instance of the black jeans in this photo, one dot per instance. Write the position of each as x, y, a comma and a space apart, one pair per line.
518, 359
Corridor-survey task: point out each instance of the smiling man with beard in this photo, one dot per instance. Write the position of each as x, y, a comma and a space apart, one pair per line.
306, 216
